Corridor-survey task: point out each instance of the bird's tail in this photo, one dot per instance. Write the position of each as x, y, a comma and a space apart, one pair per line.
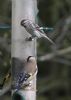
48, 39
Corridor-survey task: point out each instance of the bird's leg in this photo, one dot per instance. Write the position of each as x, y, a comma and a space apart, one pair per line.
30, 38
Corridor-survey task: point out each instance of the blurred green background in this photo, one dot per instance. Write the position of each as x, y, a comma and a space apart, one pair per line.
54, 70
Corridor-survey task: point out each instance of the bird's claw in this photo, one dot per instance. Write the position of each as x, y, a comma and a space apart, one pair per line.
30, 39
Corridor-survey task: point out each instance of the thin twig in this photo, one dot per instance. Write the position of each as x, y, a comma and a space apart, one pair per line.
62, 61
54, 54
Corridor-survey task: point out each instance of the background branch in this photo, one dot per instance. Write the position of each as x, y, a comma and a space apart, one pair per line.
54, 54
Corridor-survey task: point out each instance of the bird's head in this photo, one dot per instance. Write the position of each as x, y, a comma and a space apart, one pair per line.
31, 59
24, 22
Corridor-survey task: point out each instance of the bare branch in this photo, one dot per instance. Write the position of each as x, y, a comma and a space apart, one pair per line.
6, 88
4, 44
64, 30
54, 54
60, 31
53, 84
63, 61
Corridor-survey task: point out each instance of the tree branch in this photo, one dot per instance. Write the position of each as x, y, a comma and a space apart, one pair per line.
54, 54
4, 44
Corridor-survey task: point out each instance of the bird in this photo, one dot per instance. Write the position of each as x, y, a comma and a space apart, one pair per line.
26, 74
34, 30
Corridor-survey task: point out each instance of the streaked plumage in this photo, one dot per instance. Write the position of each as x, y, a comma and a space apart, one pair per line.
34, 30
26, 74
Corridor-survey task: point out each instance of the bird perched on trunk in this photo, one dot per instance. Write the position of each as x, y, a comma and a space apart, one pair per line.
34, 30
25, 74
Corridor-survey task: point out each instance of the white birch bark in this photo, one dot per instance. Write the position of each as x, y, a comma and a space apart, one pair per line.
23, 9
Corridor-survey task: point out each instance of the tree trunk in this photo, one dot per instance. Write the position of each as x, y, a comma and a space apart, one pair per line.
22, 49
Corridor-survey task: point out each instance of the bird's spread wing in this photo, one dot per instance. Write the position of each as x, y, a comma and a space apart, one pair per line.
43, 33
38, 28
